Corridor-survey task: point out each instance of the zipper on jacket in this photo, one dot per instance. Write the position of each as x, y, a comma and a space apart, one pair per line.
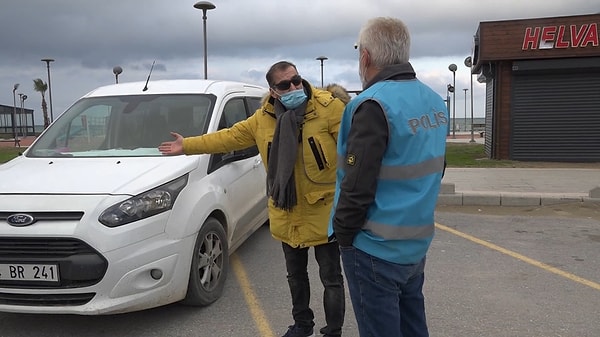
324, 156
268, 150
315, 151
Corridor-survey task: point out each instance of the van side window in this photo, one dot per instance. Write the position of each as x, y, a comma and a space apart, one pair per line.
235, 110
254, 103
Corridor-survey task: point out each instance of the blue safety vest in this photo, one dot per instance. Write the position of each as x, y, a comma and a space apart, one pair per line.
400, 222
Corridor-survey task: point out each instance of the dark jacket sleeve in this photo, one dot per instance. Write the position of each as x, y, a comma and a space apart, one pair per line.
367, 142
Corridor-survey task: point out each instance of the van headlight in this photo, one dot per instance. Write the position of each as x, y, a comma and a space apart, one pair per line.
149, 203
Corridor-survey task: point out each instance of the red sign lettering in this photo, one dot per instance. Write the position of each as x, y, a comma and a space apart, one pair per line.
560, 38
591, 36
532, 36
577, 36
548, 37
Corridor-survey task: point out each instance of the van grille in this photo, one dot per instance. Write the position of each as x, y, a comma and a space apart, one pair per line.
79, 264
47, 247
47, 216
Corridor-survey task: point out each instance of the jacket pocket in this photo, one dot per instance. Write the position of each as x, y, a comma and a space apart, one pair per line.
315, 151
319, 167
314, 197
329, 151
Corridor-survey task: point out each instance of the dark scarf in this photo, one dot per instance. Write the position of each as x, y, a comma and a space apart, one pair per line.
281, 185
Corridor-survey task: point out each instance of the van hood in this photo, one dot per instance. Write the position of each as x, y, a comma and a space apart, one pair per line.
123, 175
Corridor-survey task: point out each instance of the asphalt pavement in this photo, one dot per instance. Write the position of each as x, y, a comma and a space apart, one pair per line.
517, 186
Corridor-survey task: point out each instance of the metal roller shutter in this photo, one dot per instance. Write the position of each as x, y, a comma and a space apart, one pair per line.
489, 126
556, 116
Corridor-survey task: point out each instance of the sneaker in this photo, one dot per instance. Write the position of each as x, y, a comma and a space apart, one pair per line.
297, 330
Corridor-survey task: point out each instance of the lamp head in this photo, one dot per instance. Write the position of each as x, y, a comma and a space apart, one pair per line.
468, 62
117, 70
204, 5
452, 67
15, 87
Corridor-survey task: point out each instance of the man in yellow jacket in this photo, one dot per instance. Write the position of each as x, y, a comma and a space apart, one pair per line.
296, 132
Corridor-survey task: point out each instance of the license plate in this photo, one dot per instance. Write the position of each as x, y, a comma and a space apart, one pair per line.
29, 272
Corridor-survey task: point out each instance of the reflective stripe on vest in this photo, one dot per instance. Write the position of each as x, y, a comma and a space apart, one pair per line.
400, 232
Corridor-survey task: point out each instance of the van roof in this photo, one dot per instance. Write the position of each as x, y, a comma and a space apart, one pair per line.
180, 86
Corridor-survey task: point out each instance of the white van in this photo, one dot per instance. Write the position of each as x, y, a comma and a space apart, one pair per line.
94, 220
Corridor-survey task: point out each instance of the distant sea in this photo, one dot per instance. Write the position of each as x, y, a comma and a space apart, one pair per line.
463, 124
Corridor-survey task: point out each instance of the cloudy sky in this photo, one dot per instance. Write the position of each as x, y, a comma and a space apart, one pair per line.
88, 38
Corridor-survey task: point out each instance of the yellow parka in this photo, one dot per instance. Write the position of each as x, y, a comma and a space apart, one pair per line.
314, 171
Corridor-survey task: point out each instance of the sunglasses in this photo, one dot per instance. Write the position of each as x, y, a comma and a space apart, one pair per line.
285, 85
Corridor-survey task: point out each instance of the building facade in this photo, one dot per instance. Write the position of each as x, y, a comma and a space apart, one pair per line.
542, 81
16, 120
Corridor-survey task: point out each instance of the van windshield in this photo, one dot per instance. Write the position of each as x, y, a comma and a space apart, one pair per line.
124, 126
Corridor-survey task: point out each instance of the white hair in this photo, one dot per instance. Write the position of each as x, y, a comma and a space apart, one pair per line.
387, 40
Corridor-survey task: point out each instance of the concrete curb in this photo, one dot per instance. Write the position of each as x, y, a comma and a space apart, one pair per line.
448, 196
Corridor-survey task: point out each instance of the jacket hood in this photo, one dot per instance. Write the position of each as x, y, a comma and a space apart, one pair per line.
338, 92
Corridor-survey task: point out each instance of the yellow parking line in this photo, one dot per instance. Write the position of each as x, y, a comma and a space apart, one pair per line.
251, 300
523, 258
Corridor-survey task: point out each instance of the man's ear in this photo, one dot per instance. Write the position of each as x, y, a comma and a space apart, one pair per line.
366, 57
273, 93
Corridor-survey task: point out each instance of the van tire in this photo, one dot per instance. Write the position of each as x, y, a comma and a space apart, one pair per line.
210, 264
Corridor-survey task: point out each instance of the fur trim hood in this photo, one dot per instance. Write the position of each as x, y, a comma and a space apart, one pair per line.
338, 92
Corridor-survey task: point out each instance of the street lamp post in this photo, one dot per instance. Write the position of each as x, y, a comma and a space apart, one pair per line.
452, 67
465, 90
22, 98
117, 70
469, 64
321, 58
24, 115
449, 89
204, 6
48, 60
14, 129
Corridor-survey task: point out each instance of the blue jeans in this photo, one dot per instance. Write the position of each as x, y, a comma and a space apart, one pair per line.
330, 273
387, 298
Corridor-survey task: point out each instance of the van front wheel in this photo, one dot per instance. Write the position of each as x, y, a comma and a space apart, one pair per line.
210, 264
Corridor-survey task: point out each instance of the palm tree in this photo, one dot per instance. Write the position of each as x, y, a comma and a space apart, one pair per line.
41, 87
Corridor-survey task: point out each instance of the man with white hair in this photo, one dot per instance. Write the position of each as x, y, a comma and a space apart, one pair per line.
391, 146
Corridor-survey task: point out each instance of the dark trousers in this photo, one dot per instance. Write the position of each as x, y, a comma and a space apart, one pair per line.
387, 298
330, 273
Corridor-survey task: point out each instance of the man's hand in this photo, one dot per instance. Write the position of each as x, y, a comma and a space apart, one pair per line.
172, 148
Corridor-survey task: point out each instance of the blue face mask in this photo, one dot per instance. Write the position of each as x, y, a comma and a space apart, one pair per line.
293, 99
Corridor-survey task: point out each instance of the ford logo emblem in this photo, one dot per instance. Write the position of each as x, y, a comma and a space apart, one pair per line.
20, 220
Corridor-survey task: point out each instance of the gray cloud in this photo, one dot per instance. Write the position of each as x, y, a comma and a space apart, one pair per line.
88, 38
